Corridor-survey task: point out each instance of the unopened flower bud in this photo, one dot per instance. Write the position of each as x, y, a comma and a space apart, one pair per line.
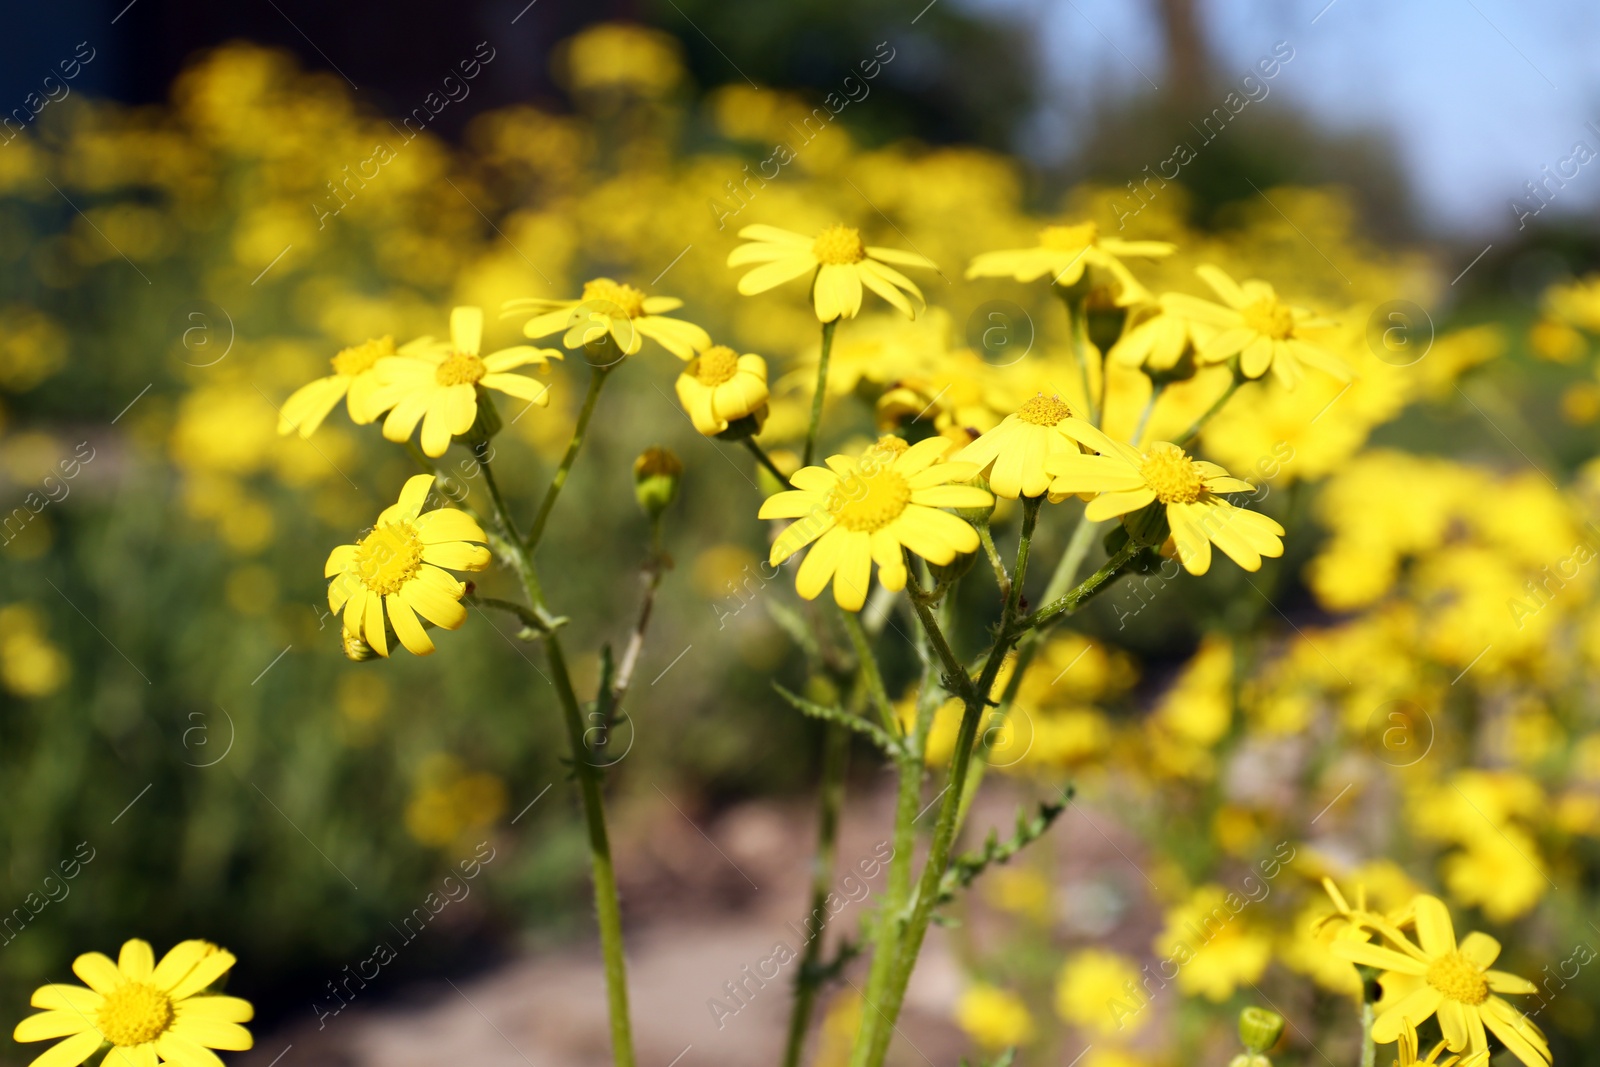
978, 516
656, 474
355, 648
1259, 1028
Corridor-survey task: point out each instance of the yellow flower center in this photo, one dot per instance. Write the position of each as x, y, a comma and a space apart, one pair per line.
888, 447
839, 246
1458, 978
460, 368
604, 291
134, 1013
1044, 410
358, 358
1172, 476
869, 499
388, 558
714, 366
1270, 319
1069, 238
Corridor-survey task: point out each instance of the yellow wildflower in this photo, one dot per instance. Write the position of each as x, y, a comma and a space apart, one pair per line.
142, 1008
843, 264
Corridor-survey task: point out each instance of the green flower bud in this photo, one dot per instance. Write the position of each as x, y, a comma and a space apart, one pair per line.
1148, 525
1259, 1028
978, 516
656, 474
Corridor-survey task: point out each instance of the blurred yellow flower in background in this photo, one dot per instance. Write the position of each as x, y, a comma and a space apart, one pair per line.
1099, 991
1065, 252
1255, 325
450, 802
994, 1018
30, 665
609, 309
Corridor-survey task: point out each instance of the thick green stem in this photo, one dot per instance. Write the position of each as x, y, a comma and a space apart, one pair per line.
821, 392
1369, 1050
597, 381
607, 906
835, 761
885, 999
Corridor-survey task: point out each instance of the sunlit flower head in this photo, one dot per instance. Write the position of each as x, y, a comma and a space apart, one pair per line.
1436, 976
395, 572
843, 264
612, 312
439, 385
354, 380
147, 1012
1258, 327
1066, 252
865, 510
719, 386
1126, 479
1012, 455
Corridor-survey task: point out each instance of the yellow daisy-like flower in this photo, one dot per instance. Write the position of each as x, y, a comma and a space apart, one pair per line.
1258, 327
143, 1008
1065, 252
843, 264
1453, 981
864, 511
1158, 341
719, 386
438, 385
398, 567
354, 380
611, 309
1013, 453
1126, 479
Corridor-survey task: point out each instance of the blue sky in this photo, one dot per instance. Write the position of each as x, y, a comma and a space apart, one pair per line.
1476, 95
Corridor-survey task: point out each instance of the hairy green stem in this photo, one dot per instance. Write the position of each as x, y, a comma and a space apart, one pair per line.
607, 906
1193, 432
868, 666
835, 762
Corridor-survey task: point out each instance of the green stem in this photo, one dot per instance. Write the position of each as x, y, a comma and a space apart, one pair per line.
1001, 578
835, 761
597, 381
1144, 416
820, 393
869, 672
1077, 597
1199, 424
765, 460
1369, 1049
608, 908
1078, 330
912, 928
